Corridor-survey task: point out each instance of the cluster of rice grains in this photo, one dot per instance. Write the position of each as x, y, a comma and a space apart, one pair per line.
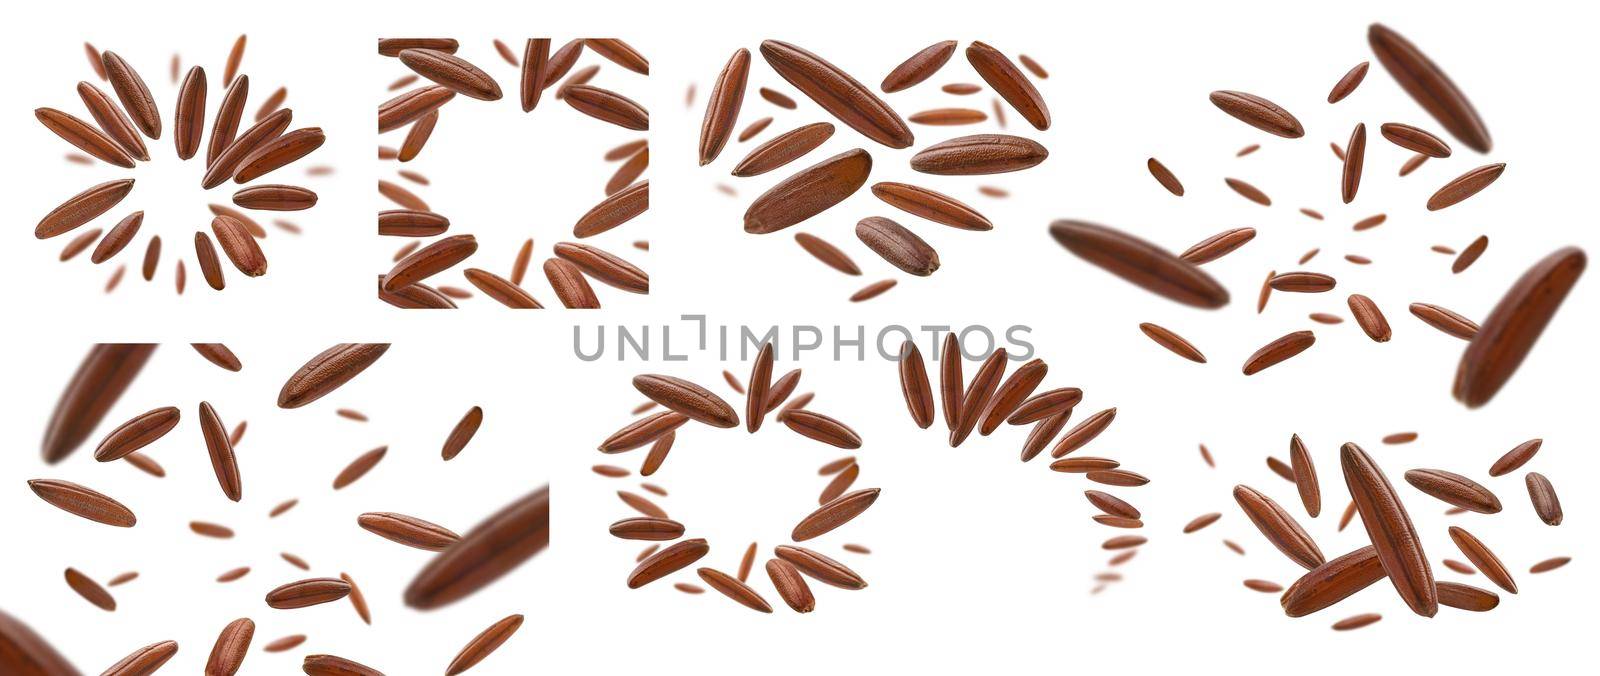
418, 111
819, 187
1494, 352
116, 137
790, 564
1495, 348
990, 398
462, 565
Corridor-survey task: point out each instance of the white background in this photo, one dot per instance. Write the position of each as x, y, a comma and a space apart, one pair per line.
978, 562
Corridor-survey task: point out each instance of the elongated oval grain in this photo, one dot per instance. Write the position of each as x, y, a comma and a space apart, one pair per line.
629, 172
133, 93
430, 260
452, 72
309, 592
359, 467
489, 551
783, 149
1045, 405
820, 568
838, 93
275, 198
1278, 527
1543, 496
948, 117
1140, 262
898, 245
239, 245
84, 136
687, 398
535, 59
333, 665
411, 223
791, 587
975, 399
408, 530
484, 644
808, 192
82, 208
189, 120
1084, 465
1218, 245
220, 449
1469, 255
1248, 191
919, 67
1279, 350
934, 206
754, 129
1348, 83
1304, 472
1445, 320
781, 389
417, 136
1512, 328
233, 157
1516, 457
328, 371
647, 528
90, 590
819, 427
1483, 558
1165, 177
1201, 521
1332, 582
230, 111
83, 501
1370, 318
393, 46
1173, 342
672, 559
722, 109
1465, 185
644, 431
1010, 83
760, 383
979, 154
501, 289
1084, 432
1355, 153
1414, 139
1011, 394
827, 253
144, 661
1389, 528
607, 106
569, 285
951, 381
210, 265
1466, 597
1111, 504
462, 433
143, 430
117, 238
1258, 112
835, 513
231, 647
1429, 87
112, 121
102, 377
411, 106
1454, 489
914, 385
614, 210
735, 589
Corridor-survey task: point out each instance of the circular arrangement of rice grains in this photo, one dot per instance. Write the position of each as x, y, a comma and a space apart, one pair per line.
672, 548
545, 81
991, 398
806, 193
460, 564
232, 148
